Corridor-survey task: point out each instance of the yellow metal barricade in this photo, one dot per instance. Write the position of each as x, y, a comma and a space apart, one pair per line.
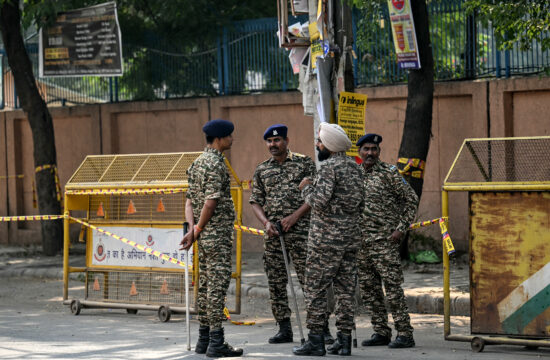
508, 184
134, 211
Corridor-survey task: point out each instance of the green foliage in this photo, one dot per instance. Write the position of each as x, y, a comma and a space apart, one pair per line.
515, 22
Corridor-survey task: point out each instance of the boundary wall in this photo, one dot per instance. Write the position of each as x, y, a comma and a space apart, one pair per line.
465, 109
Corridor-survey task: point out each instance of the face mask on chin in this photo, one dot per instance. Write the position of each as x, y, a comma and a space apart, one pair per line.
322, 155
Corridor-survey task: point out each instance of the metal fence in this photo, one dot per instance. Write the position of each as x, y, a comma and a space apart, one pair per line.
462, 48
246, 58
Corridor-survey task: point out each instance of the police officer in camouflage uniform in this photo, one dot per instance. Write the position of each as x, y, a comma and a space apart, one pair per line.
390, 207
276, 197
210, 212
337, 200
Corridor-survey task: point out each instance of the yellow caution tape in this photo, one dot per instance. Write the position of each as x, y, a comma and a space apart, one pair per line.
133, 244
226, 313
20, 176
249, 230
124, 192
416, 163
53, 169
31, 217
447, 243
426, 223
247, 184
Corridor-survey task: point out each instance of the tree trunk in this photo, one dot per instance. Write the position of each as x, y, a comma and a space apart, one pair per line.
417, 131
40, 121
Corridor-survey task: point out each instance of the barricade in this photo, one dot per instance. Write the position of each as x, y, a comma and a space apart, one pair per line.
134, 208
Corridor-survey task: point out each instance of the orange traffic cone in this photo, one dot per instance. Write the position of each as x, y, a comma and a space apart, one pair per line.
131, 208
96, 285
133, 290
160, 206
100, 212
164, 288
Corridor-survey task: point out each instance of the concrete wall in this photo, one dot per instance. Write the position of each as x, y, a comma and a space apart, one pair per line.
512, 107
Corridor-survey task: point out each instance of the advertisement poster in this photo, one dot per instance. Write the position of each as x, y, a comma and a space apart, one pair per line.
351, 117
82, 42
108, 251
404, 34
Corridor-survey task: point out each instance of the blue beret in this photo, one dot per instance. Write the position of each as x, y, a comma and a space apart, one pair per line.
276, 130
218, 128
369, 138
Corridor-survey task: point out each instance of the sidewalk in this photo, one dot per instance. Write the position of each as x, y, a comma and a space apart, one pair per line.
423, 283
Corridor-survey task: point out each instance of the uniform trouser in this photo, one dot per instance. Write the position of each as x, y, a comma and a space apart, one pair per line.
274, 266
214, 276
326, 265
378, 262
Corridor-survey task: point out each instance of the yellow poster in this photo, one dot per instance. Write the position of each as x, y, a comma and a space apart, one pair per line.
351, 117
316, 51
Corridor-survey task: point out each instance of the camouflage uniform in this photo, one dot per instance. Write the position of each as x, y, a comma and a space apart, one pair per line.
390, 205
276, 190
209, 180
334, 238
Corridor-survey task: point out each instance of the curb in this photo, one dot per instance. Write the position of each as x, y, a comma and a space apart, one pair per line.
417, 303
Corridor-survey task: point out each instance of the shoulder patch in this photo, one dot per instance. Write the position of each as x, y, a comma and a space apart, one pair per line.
393, 167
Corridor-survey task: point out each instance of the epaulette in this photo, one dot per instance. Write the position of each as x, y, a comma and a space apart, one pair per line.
298, 154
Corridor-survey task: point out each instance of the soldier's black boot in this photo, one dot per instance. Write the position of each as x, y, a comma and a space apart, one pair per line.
342, 345
402, 342
284, 335
219, 348
204, 339
314, 346
376, 340
326, 334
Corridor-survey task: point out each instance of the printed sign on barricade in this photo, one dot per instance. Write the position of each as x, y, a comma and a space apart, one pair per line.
108, 251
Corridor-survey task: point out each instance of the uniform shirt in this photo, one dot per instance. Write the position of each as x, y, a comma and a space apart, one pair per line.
337, 199
275, 187
209, 180
390, 201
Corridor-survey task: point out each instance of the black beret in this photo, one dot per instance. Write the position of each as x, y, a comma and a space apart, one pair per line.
218, 128
369, 138
276, 130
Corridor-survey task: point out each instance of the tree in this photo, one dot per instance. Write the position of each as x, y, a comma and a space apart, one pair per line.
515, 22
417, 130
188, 22
40, 121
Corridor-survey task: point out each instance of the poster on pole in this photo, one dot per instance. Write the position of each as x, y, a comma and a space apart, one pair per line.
351, 117
404, 34
82, 42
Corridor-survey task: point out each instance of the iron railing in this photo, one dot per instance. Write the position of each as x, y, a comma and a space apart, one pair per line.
246, 58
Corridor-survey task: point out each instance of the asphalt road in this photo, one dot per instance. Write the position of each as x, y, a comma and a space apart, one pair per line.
35, 325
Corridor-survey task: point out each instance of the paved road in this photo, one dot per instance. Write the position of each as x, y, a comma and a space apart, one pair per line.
35, 325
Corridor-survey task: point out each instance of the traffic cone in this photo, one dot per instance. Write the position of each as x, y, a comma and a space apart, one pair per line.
131, 208
96, 285
160, 206
100, 212
164, 288
133, 290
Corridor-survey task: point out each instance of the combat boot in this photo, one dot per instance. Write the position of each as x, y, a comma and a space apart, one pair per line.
204, 339
314, 346
342, 345
376, 340
284, 335
402, 342
219, 348
326, 334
